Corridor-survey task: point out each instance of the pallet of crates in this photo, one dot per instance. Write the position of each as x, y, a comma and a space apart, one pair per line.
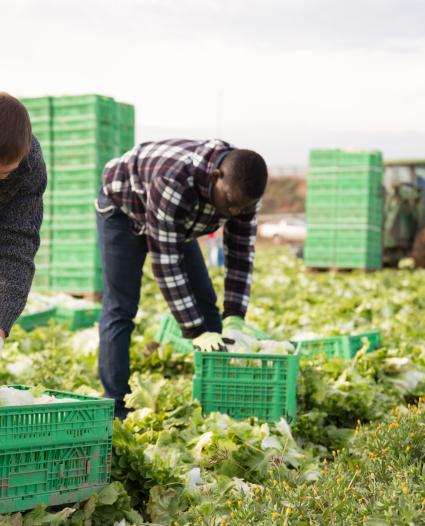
344, 210
40, 112
54, 453
321, 209
84, 141
360, 211
75, 252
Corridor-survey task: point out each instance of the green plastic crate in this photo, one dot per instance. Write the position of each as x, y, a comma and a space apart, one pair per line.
45, 139
360, 241
85, 108
53, 475
54, 453
355, 198
351, 237
342, 346
74, 197
324, 158
320, 217
75, 252
87, 419
265, 386
41, 281
100, 133
78, 210
83, 231
360, 158
83, 184
39, 108
362, 260
78, 318
38, 319
89, 155
125, 115
345, 158
169, 332
44, 253
76, 280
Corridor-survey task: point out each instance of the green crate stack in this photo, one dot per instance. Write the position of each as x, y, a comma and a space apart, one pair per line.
78, 135
344, 209
125, 115
40, 112
84, 138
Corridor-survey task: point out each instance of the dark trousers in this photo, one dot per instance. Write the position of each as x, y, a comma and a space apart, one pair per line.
123, 256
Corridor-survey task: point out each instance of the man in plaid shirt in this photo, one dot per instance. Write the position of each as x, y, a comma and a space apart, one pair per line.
157, 199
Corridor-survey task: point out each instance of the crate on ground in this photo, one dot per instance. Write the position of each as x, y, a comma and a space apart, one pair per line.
37, 319
342, 346
52, 475
170, 332
247, 385
54, 453
372, 338
78, 317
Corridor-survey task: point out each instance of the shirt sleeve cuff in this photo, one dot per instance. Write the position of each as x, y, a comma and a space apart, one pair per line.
229, 312
193, 332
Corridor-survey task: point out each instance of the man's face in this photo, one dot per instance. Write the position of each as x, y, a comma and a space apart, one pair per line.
227, 199
6, 169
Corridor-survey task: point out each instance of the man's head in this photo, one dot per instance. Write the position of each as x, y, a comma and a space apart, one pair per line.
15, 134
238, 182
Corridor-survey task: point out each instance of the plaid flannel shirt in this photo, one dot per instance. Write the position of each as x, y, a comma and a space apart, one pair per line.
165, 189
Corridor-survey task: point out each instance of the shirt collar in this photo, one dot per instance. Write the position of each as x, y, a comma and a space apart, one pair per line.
213, 166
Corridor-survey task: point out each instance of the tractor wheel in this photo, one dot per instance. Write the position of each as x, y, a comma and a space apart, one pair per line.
418, 249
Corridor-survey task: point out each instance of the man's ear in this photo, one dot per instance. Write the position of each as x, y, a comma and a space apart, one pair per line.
216, 175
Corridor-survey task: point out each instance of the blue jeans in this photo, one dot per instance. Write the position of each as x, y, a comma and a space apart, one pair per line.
123, 255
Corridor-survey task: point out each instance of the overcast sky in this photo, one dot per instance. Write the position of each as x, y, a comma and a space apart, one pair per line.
278, 76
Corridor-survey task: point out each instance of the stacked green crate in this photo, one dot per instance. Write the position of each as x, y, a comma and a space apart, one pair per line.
125, 127
84, 135
40, 111
344, 209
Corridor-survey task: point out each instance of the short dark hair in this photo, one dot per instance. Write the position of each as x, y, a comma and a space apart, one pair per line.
248, 170
15, 129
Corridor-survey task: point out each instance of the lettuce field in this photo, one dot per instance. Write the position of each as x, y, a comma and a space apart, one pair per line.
355, 454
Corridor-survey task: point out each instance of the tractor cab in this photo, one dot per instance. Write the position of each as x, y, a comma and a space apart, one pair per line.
404, 214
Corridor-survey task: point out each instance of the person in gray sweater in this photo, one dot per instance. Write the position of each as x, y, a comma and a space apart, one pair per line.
23, 180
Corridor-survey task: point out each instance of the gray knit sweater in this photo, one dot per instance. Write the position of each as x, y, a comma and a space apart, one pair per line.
21, 214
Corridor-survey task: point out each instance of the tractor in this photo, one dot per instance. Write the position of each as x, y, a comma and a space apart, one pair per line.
404, 212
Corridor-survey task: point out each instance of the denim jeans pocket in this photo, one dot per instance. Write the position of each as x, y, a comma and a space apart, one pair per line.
105, 206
